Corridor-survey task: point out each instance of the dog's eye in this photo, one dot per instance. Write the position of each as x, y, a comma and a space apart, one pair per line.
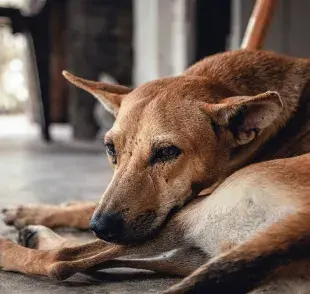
110, 148
165, 154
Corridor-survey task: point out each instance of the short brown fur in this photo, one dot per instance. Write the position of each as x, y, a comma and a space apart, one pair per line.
224, 113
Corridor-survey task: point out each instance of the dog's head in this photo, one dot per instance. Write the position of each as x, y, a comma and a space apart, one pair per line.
171, 139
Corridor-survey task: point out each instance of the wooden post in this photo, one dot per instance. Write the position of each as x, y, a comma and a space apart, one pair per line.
258, 24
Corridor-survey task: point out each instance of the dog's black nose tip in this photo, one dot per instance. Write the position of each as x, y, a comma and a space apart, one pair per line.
107, 226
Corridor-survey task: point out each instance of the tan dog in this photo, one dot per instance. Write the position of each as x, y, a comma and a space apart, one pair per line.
176, 139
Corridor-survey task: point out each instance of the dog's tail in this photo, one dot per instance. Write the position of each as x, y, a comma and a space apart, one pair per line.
246, 266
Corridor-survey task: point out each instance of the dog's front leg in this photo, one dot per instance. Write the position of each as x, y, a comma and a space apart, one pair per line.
60, 263
64, 262
74, 214
181, 262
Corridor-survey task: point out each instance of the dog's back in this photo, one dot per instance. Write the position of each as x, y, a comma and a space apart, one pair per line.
246, 72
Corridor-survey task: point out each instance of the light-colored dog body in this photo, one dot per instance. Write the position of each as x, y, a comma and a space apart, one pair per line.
245, 206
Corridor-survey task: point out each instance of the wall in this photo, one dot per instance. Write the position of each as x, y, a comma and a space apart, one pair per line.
163, 38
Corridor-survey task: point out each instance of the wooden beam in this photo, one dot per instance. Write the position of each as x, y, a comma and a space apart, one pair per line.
258, 24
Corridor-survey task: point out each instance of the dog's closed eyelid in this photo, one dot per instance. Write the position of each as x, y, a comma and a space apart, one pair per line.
108, 140
164, 154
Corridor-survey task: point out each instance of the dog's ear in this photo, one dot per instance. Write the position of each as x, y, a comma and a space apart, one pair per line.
246, 116
108, 94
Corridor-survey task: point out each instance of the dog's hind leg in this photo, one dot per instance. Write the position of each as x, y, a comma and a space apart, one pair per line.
75, 215
248, 265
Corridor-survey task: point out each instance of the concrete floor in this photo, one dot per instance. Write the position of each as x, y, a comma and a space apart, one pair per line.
32, 172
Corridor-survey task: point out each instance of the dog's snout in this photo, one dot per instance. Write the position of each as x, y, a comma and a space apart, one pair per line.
108, 226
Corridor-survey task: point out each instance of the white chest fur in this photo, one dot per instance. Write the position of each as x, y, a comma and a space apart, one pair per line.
234, 212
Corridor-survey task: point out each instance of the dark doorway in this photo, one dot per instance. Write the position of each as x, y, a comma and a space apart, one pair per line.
213, 26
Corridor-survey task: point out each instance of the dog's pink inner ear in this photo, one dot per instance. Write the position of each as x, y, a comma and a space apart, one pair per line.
246, 116
109, 95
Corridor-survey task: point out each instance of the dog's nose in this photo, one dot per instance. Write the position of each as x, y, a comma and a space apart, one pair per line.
107, 226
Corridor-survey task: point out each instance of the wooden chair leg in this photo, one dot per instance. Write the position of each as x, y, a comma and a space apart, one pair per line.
258, 24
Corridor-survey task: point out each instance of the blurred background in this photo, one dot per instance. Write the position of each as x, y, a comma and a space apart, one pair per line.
50, 132
120, 41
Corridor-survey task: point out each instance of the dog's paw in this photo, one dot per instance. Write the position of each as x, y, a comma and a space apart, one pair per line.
28, 237
24, 215
15, 216
40, 237
19, 216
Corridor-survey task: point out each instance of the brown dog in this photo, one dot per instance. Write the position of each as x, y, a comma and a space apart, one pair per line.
175, 139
